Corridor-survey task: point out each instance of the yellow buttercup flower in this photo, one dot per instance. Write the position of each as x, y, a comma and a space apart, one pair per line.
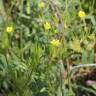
9, 29
55, 42
81, 14
75, 45
47, 26
41, 5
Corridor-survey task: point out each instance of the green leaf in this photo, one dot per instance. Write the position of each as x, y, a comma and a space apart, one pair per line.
28, 8
5, 40
5, 85
91, 57
12, 94
84, 57
43, 89
27, 92
94, 86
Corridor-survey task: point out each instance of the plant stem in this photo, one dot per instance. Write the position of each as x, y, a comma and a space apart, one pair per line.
2, 10
69, 82
61, 79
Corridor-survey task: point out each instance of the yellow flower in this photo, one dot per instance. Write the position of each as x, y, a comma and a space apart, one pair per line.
55, 42
47, 26
9, 29
75, 45
81, 14
90, 46
91, 37
65, 26
41, 5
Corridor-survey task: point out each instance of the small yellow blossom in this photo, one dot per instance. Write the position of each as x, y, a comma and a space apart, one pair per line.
89, 45
92, 37
65, 26
9, 29
75, 45
81, 14
41, 5
55, 42
47, 26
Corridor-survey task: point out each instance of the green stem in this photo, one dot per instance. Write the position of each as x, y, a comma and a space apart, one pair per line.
61, 79
21, 46
69, 79
2, 10
21, 9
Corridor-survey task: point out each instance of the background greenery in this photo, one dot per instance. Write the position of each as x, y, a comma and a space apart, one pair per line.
30, 65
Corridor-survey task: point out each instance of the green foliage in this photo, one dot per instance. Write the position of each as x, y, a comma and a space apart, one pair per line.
30, 63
